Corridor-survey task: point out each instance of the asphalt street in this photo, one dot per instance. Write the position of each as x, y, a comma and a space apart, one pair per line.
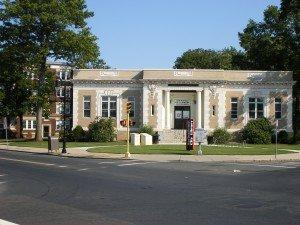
42, 189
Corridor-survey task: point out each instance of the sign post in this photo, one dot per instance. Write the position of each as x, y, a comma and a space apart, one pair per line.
276, 139
5, 127
128, 109
200, 135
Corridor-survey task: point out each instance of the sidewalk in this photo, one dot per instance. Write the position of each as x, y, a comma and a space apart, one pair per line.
82, 153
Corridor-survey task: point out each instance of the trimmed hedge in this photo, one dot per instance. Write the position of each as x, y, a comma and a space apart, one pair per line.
146, 129
78, 134
221, 136
102, 130
258, 131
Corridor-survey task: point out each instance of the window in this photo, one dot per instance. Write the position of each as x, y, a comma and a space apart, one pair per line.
132, 111
234, 108
109, 106
213, 110
152, 110
278, 109
60, 108
256, 108
64, 74
60, 124
29, 124
60, 92
86, 106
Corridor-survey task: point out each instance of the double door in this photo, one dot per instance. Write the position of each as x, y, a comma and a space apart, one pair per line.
181, 115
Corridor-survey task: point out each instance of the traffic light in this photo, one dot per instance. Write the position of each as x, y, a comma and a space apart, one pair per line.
128, 107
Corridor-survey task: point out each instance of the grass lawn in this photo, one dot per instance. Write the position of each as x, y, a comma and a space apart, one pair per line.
120, 147
44, 144
207, 150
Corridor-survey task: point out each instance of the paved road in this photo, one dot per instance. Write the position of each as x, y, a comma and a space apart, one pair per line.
41, 189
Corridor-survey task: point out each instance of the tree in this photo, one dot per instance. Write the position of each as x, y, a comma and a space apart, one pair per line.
16, 86
272, 43
96, 64
47, 29
228, 58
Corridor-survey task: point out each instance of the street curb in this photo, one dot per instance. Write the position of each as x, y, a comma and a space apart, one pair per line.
67, 155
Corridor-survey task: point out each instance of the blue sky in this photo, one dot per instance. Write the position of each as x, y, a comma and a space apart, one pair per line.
153, 33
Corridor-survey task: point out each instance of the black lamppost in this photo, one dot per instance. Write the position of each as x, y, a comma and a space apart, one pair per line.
64, 150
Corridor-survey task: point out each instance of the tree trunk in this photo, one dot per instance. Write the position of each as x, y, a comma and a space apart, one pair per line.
21, 126
40, 95
39, 128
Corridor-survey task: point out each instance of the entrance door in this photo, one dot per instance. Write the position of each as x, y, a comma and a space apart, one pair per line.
181, 115
46, 131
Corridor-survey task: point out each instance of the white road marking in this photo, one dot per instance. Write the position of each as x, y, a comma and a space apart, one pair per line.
264, 165
132, 164
2, 182
62, 166
2, 175
83, 169
106, 162
4, 222
26, 161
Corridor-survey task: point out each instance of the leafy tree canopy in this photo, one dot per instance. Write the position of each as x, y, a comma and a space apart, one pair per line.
228, 58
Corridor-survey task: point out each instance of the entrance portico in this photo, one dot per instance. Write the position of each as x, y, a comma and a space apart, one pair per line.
182, 104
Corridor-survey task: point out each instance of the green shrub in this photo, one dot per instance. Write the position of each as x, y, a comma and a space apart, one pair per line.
221, 136
78, 134
102, 130
69, 135
146, 129
258, 131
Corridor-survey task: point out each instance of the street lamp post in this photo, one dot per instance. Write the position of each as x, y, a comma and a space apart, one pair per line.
64, 150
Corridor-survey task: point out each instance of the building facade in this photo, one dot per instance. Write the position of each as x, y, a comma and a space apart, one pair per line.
53, 118
165, 99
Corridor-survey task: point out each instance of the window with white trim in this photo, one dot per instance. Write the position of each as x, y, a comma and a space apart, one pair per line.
256, 108
109, 106
29, 124
60, 92
87, 106
60, 108
132, 111
59, 125
64, 74
234, 108
278, 108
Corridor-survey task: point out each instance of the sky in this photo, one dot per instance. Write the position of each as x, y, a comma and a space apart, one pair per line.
144, 34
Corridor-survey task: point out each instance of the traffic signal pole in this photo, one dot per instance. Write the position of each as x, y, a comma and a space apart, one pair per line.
127, 154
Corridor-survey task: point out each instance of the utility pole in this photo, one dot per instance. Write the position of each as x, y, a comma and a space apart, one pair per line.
128, 109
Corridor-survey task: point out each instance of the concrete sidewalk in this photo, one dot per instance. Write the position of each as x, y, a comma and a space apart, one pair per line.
83, 153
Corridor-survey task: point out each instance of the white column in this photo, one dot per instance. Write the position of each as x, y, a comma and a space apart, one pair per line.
145, 104
199, 109
206, 109
160, 119
289, 111
167, 113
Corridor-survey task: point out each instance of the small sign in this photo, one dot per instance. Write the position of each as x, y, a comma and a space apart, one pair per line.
183, 73
109, 73
182, 102
200, 135
178, 114
4, 123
